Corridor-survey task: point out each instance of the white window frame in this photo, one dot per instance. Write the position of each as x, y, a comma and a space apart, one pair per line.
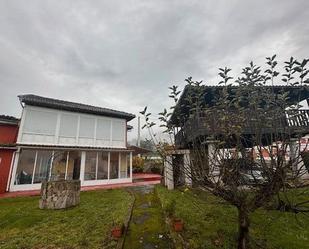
37, 186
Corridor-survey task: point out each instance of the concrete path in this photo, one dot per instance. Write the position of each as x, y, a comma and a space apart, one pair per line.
147, 229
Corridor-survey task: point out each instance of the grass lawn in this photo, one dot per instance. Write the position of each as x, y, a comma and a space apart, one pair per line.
24, 225
212, 223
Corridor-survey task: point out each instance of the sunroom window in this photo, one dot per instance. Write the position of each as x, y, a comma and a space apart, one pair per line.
97, 163
73, 166
102, 165
123, 165
114, 165
91, 166
43, 162
58, 170
25, 167
96, 166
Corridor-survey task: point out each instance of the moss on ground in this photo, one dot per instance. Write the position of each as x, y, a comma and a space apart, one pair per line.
24, 225
212, 223
147, 228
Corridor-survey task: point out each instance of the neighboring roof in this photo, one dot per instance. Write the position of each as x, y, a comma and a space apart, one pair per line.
4, 119
295, 94
40, 101
138, 150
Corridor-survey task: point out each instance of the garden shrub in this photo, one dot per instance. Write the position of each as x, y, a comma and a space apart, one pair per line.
155, 166
138, 164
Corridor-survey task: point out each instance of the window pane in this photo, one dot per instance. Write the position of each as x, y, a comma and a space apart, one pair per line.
123, 165
43, 163
59, 165
128, 166
25, 167
103, 129
118, 130
40, 122
90, 166
86, 128
73, 165
68, 125
114, 165
102, 165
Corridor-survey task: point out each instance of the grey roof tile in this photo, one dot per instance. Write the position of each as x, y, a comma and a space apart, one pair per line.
4, 119
40, 101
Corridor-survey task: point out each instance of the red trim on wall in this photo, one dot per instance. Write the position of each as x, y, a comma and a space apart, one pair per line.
8, 136
5, 164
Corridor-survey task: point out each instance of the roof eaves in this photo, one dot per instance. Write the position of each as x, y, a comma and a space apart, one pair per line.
10, 120
61, 147
36, 100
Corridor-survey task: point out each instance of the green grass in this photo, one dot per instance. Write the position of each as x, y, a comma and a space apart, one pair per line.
24, 225
212, 223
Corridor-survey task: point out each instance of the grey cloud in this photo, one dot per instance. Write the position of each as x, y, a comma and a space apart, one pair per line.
124, 54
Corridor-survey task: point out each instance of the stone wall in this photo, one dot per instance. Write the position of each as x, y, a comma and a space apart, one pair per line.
59, 194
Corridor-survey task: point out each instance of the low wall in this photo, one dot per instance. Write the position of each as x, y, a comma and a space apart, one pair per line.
59, 194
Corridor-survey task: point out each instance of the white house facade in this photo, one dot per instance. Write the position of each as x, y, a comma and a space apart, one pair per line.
60, 140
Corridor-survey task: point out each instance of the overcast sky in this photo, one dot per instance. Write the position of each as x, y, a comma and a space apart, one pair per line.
124, 54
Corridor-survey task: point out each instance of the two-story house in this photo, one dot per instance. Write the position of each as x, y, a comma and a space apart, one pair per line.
65, 140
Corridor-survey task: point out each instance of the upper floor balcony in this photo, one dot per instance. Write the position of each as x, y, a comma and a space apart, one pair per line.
210, 124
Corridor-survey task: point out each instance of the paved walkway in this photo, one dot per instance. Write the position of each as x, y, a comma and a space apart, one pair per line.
147, 229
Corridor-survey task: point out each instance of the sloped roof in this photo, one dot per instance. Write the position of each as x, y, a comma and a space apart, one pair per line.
40, 101
295, 94
4, 119
139, 150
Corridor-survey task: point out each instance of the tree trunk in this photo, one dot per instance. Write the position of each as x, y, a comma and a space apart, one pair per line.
243, 232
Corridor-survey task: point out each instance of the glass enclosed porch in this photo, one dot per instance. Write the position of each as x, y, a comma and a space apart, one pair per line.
92, 167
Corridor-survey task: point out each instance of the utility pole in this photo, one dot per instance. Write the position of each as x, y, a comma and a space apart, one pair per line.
139, 131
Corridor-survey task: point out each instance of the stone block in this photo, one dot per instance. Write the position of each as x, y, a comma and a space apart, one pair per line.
59, 194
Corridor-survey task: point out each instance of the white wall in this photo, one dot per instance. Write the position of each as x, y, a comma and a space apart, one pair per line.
54, 127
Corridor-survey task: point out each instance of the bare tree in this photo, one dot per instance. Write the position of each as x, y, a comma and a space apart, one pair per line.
249, 151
